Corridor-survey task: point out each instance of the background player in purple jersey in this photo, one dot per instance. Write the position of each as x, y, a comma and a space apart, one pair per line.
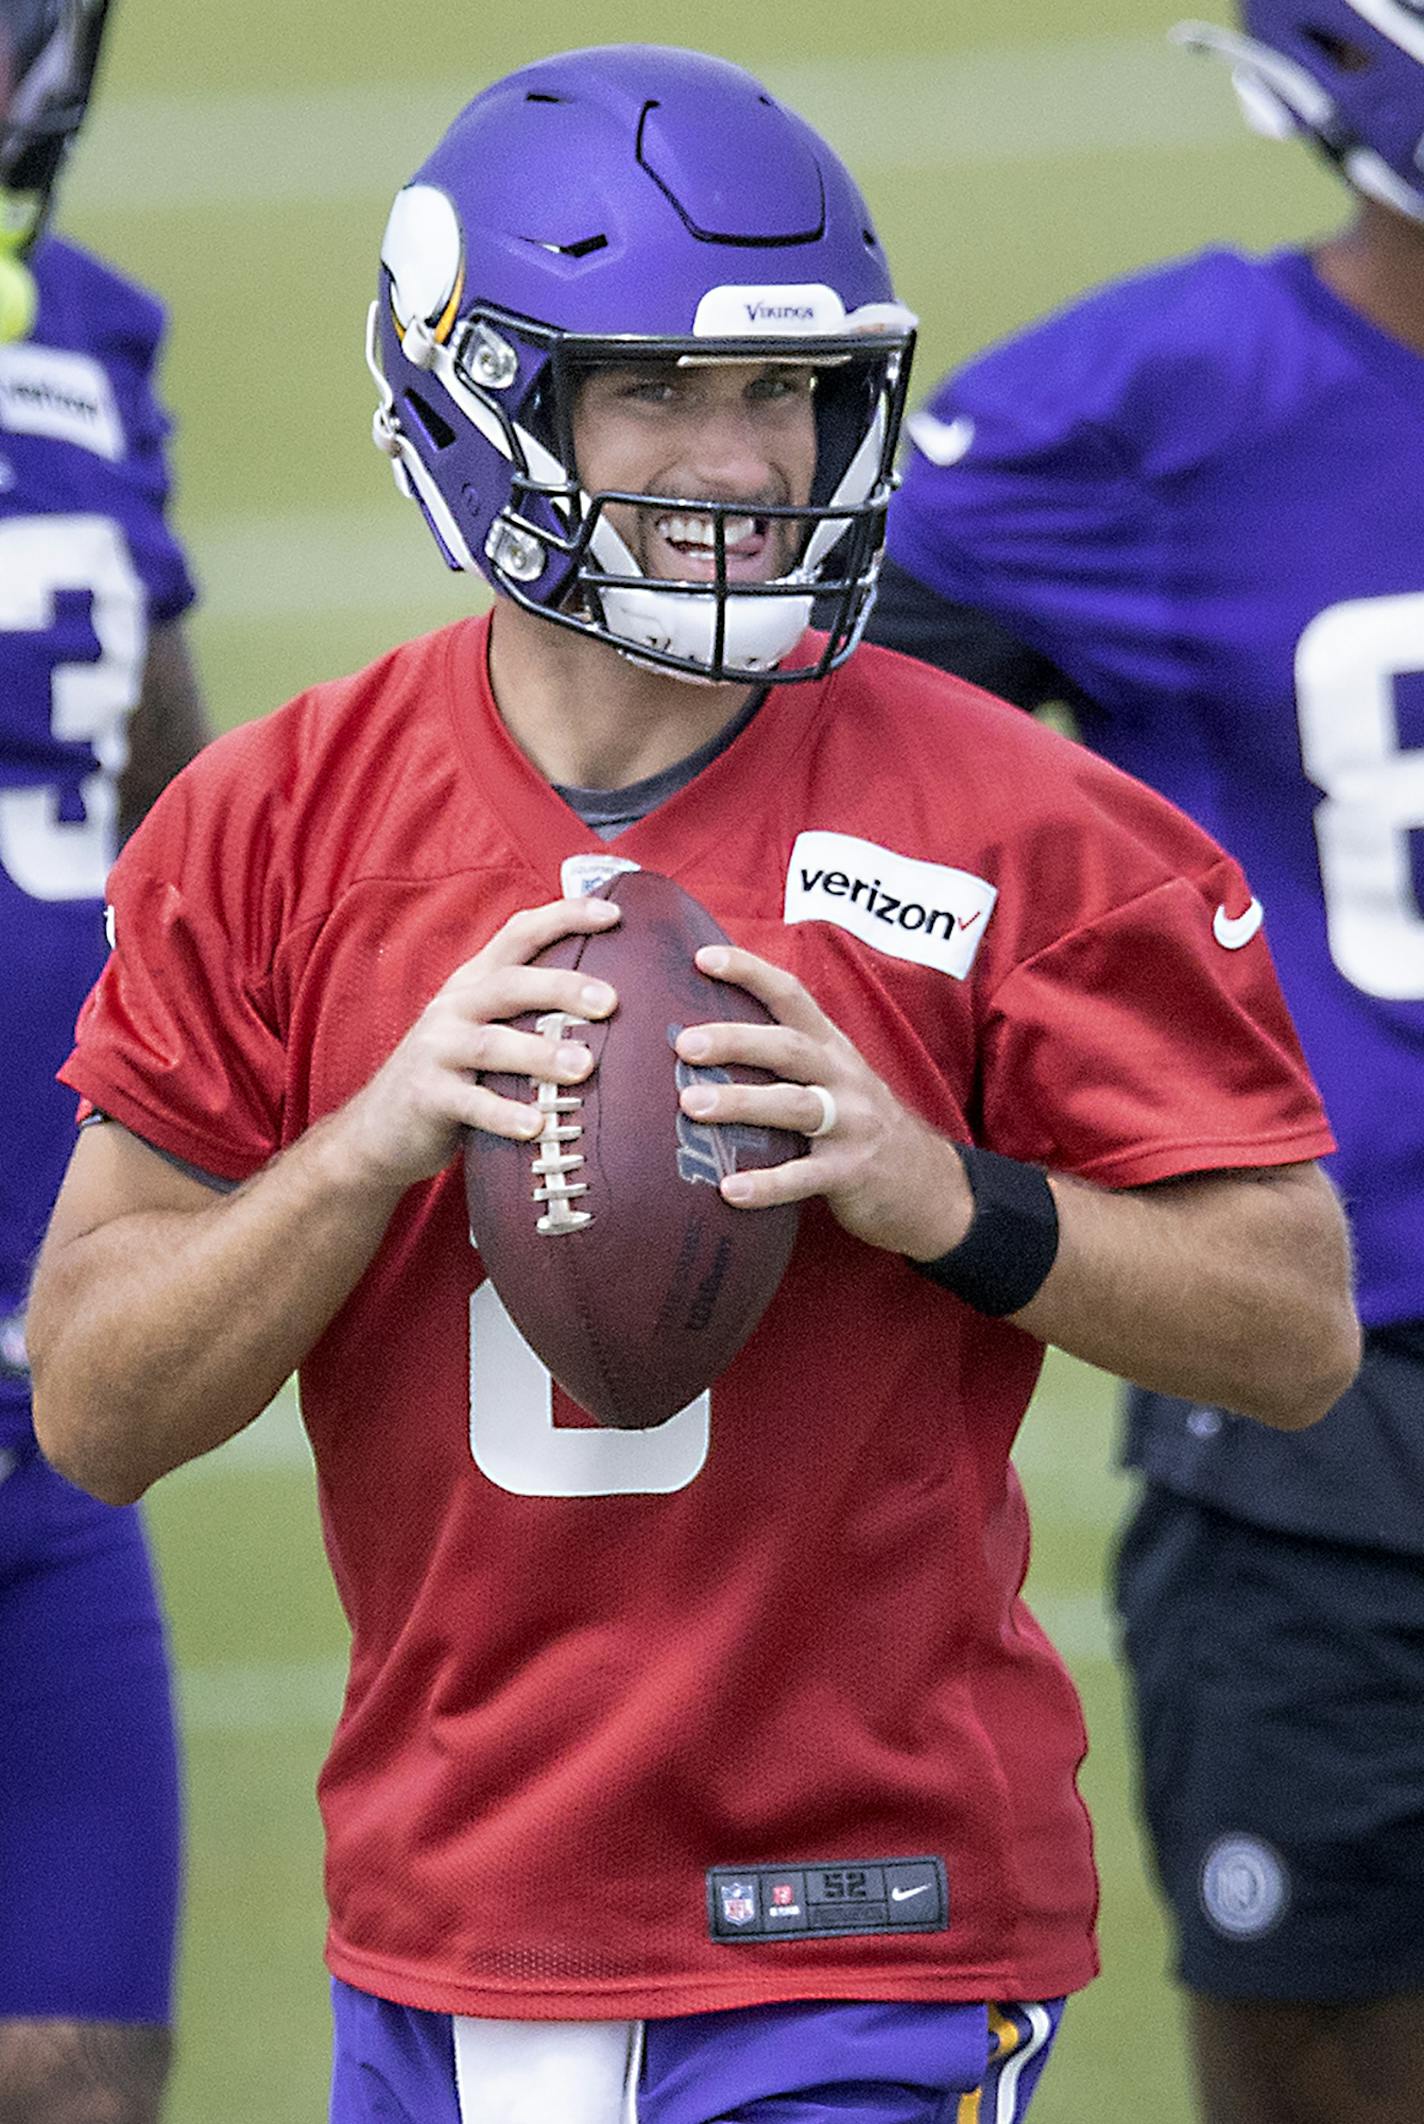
98, 709
1192, 507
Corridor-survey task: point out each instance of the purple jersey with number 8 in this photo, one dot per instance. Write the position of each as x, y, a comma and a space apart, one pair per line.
1200, 494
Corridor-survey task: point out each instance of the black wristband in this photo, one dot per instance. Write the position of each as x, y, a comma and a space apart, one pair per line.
1012, 1240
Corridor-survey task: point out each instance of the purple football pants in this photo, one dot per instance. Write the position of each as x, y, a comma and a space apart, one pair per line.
793, 2064
89, 1781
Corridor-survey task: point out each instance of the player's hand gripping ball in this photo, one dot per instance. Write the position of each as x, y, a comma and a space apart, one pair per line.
605, 1236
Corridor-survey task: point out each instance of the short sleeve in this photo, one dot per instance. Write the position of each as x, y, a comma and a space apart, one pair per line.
1152, 1041
1052, 482
1018, 500
177, 1039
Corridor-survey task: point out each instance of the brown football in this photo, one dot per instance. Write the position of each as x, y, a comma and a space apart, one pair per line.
606, 1237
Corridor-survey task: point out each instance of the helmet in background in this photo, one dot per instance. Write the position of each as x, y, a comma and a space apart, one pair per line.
1348, 73
53, 51
625, 204
48, 52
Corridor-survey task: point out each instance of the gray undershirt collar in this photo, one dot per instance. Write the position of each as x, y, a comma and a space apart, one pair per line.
608, 812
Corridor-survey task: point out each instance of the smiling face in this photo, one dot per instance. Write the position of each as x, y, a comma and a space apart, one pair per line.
739, 433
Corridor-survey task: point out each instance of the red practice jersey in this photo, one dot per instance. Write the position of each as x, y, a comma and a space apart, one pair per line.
748, 1707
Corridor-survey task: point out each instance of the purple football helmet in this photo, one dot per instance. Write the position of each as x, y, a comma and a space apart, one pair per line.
626, 204
53, 49
1349, 73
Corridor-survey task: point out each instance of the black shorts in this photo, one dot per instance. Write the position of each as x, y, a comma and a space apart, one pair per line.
1279, 1686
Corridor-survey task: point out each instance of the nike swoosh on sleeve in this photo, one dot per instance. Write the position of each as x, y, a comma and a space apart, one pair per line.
1232, 931
943, 442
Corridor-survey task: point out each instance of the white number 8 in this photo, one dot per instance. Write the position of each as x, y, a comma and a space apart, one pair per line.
90, 703
1346, 664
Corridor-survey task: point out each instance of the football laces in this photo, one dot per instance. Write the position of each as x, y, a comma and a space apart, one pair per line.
555, 1160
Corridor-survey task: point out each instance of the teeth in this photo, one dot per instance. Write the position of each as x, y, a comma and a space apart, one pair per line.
697, 530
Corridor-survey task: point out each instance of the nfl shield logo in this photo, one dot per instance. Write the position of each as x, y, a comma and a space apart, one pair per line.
738, 1902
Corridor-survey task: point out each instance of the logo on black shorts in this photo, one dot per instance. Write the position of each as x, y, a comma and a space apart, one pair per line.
1244, 1887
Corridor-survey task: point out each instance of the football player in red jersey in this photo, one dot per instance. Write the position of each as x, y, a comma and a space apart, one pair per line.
715, 1770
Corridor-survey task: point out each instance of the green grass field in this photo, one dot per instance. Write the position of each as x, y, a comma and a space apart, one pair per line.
242, 158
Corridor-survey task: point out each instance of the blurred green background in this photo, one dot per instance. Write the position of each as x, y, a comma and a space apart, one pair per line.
241, 158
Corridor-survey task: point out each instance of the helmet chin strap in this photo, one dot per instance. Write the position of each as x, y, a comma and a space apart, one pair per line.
757, 632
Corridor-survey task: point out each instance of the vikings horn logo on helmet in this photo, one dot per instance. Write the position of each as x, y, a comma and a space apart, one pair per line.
425, 258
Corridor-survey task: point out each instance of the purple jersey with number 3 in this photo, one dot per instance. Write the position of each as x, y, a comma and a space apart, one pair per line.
87, 568
1200, 494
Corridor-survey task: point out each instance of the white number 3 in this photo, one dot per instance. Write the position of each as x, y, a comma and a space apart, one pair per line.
1346, 665
516, 1443
49, 857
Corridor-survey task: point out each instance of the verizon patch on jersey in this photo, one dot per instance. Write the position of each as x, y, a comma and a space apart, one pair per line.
50, 391
925, 912
848, 1896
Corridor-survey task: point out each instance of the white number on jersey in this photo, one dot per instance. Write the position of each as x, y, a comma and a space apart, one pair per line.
1346, 665
516, 1443
90, 703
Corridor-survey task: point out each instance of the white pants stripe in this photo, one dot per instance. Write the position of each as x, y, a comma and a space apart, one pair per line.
1006, 2095
527, 2072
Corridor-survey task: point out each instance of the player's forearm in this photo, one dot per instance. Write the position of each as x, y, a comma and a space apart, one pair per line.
1233, 1290
163, 1332
161, 1321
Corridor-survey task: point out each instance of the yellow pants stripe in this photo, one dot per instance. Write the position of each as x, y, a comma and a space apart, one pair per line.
1008, 2037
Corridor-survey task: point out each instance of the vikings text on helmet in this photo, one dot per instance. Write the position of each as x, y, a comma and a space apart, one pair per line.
634, 203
